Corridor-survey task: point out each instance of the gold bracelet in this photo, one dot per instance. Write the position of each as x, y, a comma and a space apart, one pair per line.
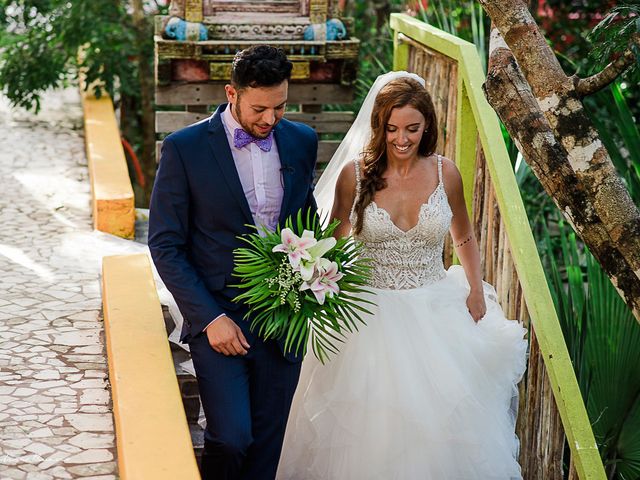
465, 241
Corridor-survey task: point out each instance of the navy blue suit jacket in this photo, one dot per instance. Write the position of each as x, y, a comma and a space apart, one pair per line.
198, 209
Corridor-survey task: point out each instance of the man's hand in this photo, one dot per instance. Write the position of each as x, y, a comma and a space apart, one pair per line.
226, 337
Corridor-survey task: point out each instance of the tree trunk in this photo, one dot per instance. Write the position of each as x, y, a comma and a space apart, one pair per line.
147, 114
539, 105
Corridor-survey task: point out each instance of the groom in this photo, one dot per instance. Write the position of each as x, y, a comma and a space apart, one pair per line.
243, 165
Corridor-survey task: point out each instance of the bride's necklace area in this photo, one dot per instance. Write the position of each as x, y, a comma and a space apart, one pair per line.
405, 198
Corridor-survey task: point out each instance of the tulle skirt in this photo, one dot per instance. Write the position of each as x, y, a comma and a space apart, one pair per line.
420, 392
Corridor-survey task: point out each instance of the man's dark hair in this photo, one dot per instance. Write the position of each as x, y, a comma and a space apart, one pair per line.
260, 66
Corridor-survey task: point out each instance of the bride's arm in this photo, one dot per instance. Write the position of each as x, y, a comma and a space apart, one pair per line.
343, 200
464, 240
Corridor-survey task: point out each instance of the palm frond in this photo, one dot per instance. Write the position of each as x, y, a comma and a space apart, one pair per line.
281, 310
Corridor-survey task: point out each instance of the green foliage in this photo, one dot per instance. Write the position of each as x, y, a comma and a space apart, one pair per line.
465, 20
601, 334
619, 133
586, 35
614, 35
603, 340
371, 26
538, 203
40, 41
295, 315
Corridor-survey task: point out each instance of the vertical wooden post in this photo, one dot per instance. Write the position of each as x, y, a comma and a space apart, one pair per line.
318, 11
311, 108
304, 8
193, 11
335, 9
400, 52
466, 134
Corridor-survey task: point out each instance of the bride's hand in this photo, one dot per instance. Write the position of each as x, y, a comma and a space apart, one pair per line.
476, 305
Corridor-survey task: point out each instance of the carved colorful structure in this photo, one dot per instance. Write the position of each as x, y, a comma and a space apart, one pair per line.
195, 44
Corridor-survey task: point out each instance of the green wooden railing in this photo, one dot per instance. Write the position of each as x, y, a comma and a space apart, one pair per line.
476, 117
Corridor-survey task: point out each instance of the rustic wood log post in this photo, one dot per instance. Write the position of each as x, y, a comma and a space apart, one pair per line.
541, 108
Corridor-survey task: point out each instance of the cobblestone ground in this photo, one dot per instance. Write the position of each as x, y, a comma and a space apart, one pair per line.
55, 413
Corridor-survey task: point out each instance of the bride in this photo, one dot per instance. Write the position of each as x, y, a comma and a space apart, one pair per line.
428, 388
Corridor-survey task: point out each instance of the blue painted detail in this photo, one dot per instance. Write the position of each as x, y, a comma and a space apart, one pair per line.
176, 29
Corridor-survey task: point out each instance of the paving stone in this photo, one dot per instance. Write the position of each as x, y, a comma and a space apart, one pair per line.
47, 407
41, 432
93, 469
91, 422
57, 471
95, 396
78, 338
12, 473
54, 441
69, 449
18, 443
52, 357
93, 440
56, 422
39, 448
39, 476
24, 418
51, 384
63, 391
91, 456
95, 409
24, 392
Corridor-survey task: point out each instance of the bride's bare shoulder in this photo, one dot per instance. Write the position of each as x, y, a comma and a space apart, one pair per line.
346, 183
347, 177
450, 172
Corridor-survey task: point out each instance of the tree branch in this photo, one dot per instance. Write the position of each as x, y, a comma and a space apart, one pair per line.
508, 92
595, 83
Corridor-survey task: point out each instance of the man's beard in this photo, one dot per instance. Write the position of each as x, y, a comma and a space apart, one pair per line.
246, 127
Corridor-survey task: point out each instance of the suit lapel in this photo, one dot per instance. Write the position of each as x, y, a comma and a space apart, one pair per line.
287, 165
219, 144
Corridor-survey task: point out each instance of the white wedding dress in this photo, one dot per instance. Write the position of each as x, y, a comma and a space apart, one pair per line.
422, 391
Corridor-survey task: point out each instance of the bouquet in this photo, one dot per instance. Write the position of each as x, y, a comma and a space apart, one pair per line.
301, 287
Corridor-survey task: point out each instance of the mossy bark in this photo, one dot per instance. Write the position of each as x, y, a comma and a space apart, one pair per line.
542, 110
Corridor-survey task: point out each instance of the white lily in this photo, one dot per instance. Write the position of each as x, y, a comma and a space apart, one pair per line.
316, 262
297, 248
326, 284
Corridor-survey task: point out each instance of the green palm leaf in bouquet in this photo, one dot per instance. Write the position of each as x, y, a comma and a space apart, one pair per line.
303, 289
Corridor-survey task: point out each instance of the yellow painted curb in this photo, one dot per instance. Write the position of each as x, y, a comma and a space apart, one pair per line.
152, 434
112, 196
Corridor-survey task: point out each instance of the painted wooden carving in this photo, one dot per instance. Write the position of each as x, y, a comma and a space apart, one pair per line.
196, 42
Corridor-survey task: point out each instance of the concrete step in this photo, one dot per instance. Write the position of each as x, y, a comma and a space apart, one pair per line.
188, 390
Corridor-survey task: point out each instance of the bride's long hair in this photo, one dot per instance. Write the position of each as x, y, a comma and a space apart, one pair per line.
395, 94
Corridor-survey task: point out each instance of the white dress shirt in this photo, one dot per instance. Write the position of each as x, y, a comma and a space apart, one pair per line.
260, 176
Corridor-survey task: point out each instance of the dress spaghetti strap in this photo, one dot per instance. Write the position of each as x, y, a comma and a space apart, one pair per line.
356, 164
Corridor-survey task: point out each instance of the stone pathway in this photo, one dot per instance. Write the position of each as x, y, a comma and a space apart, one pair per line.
55, 413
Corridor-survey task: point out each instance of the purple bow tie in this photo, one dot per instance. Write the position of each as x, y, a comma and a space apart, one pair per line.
242, 138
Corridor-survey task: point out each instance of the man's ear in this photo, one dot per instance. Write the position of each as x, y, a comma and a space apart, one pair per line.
232, 93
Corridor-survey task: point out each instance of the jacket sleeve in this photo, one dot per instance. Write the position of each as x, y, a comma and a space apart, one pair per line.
169, 241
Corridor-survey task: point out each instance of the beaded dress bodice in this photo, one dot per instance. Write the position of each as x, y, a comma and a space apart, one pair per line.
405, 259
